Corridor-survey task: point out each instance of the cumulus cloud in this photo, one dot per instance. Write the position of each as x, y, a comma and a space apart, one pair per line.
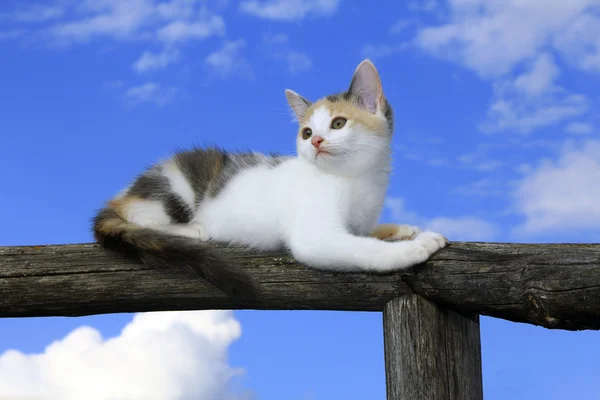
150, 92
279, 49
33, 13
162, 356
580, 41
532, 100
579, 128
459, 228
287, 10
492, 37
562, 194
497, 39
149, 61
173, 21
228, 60
178, 31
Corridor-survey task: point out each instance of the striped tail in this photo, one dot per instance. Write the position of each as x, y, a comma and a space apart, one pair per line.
158, 249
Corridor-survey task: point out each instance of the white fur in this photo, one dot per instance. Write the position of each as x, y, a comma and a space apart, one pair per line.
147, 213
152, 214
179, 183
321, 206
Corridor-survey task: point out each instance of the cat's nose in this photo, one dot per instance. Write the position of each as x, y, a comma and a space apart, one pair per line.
317, 140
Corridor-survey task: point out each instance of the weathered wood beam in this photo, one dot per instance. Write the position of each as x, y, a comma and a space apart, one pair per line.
431, 352
552, 285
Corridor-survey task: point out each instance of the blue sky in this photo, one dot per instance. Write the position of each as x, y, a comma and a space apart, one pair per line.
497, 139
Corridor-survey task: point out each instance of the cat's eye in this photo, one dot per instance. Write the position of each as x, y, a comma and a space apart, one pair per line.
306, 133
338, 123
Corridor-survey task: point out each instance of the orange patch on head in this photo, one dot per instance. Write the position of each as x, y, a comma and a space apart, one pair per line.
347, 109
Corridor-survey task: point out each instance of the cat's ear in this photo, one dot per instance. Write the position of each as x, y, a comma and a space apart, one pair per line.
298, 104
366, 87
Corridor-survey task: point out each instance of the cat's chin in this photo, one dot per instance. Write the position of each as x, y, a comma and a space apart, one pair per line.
323, 153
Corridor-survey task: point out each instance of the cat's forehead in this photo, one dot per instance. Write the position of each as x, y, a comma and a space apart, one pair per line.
323, 110
320, 114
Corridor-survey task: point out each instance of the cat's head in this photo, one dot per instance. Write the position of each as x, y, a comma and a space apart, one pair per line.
349, 132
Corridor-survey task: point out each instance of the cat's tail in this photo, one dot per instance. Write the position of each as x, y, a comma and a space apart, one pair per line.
157, 249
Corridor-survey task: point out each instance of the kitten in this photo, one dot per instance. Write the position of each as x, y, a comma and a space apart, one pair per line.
323, 204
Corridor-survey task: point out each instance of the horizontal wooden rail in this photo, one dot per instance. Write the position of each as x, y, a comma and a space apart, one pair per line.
552, 285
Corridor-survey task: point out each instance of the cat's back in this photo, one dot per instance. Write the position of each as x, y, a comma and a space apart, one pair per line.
246, 199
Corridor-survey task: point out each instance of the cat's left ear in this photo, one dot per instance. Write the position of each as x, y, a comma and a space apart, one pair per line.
298, 104
366, 87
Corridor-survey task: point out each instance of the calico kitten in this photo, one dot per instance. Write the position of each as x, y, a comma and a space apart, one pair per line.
323, 204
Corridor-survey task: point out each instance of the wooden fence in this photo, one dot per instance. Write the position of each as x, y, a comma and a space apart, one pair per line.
430, 313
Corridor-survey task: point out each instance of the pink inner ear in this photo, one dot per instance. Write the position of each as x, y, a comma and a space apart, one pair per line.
368, 87
370, 103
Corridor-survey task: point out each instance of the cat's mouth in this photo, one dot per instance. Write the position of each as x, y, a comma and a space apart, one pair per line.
322, 153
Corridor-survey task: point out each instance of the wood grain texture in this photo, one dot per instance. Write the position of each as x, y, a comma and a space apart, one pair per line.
430, 352
556, 285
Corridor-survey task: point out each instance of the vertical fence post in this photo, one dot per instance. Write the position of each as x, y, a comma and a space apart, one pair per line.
431, 353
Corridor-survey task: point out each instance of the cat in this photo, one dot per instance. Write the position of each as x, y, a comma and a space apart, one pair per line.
322, 204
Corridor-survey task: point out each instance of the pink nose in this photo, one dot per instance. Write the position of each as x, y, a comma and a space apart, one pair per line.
317, 140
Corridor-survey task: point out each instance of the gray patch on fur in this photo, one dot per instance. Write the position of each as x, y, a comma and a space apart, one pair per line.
207, 170
200, 166
153, 185
235, 163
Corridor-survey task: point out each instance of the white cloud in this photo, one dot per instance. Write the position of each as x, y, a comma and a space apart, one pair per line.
151, 61
297, 62
532, 100
463, 228
540, 79
401, 26
150, 92
480, 159
118, 19
496, 39
287, 10
228, 61
178, 31
580, 41
460, 228
492, 37
427, 6
563, 194
174, 21
524, 116
579, 128
278, 48
162, 355
34, 13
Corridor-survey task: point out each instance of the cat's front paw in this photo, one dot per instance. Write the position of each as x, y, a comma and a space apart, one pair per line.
432, 241
393, 232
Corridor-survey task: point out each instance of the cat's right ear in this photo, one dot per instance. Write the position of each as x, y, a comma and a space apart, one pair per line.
298, 104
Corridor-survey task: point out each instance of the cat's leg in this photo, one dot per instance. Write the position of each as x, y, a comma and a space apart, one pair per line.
333, 249
394, 232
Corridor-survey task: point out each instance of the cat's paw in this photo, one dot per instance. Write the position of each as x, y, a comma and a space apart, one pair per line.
405, 232
432, 241
393, 232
